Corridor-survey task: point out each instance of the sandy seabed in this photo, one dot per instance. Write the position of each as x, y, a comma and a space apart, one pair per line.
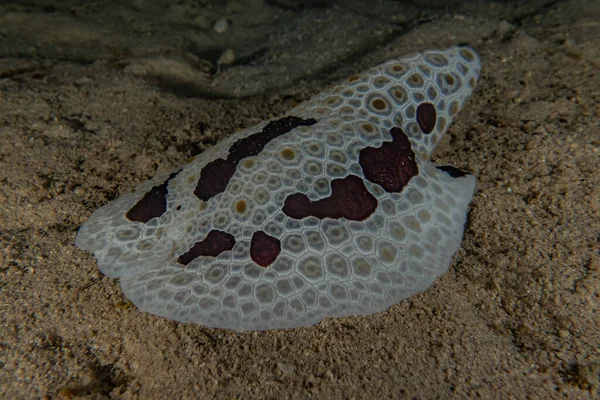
97, 98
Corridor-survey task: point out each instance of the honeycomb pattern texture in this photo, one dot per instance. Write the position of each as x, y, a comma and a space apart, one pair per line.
333, 209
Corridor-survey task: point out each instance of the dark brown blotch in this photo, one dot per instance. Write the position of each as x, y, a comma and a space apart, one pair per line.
392, 165
153, 204
452, 171
349, 199
426, 117
214, 178
214, 244
216, 174
264, 249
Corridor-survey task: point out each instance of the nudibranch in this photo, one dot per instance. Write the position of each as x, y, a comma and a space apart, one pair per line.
330, 210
